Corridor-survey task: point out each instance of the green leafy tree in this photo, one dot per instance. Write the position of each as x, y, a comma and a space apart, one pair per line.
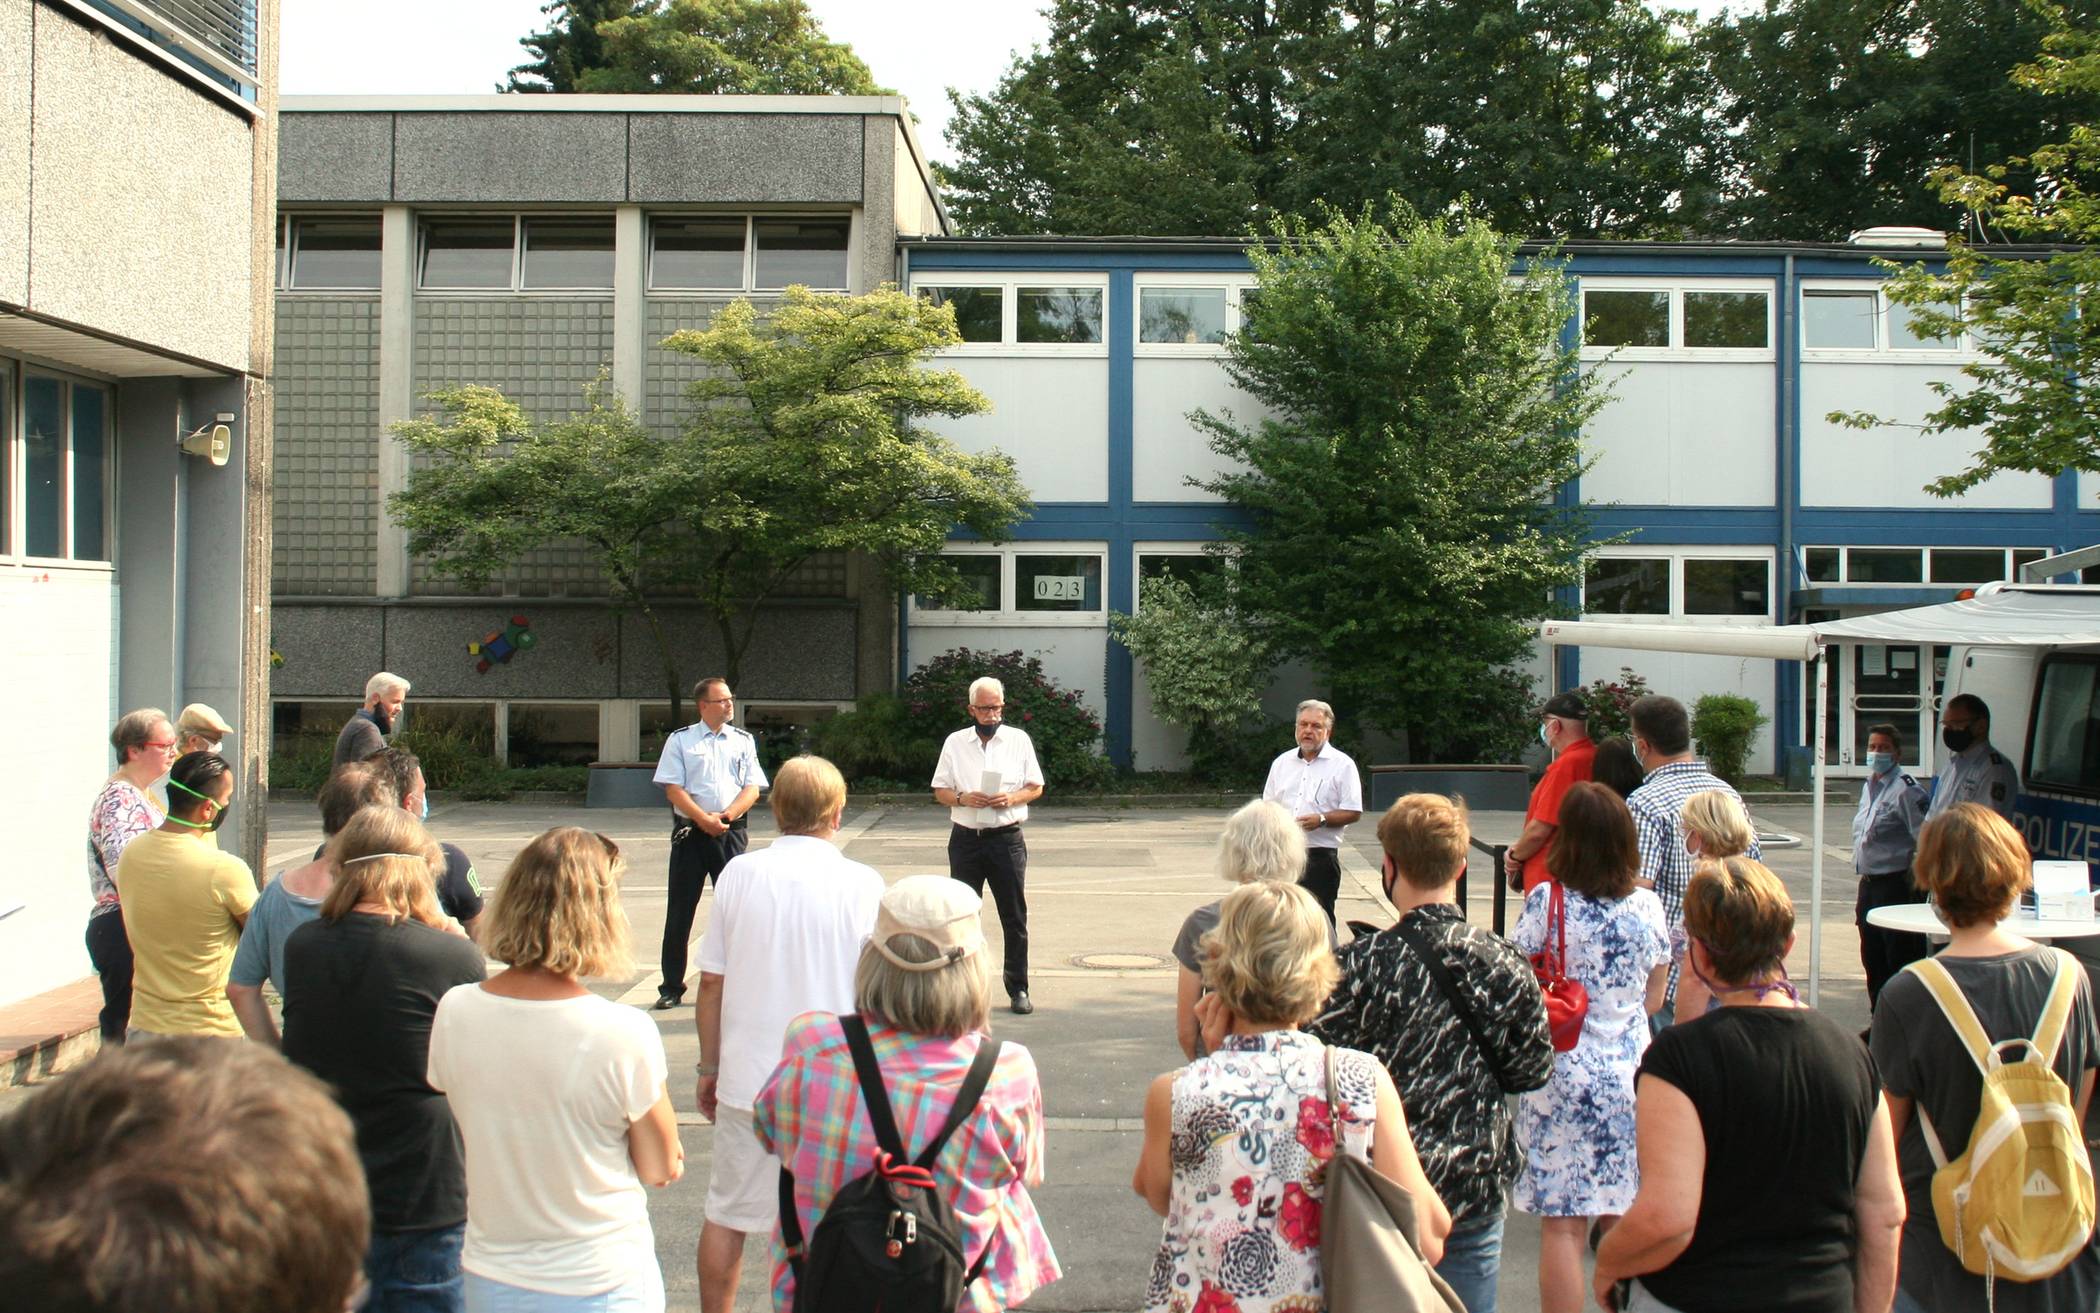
1405, 530
726, 47
570, 45
2029, 391
492, 485
1206, 671
808, 431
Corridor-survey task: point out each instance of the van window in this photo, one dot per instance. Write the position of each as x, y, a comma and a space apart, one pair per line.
2063, 750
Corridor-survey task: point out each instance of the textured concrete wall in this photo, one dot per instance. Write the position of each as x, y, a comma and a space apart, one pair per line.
745, 158
140, 200
326, 499
335, 157
14, 150
509, 157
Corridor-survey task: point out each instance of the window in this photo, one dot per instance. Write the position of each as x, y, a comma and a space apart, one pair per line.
1024, 583
811, 252
979, 591
1885, 565
1025, 314
333, 254
744, 253
1644, 317
980, 312
1057, 583
1627, 585
1687, 582
696, 253
1823, 565
1864, 319
567, 253
1182, 316
1916, 565
469, 254
1952, 565
1187, 567
2063, 749
65, 469
1064, 315
1727, 586
551, 733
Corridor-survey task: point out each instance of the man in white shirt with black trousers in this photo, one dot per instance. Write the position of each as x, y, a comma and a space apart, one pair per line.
986, 778
1318, 784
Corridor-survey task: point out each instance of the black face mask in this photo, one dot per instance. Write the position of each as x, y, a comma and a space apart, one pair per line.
1957, 740
985, 731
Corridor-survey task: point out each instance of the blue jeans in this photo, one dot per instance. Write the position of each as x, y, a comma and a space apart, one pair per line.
415, 1271
1473, 1260
643, 1293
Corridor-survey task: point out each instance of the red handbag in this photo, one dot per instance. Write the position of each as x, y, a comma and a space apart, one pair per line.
1567, 1002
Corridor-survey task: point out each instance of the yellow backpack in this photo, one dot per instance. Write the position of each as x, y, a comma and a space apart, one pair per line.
2018, 1202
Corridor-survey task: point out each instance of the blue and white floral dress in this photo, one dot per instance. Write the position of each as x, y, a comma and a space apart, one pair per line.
1577, 1133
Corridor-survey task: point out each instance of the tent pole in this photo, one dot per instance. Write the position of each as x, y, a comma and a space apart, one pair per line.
1815, 862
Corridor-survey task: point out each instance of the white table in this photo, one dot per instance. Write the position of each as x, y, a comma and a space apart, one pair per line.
1921, 919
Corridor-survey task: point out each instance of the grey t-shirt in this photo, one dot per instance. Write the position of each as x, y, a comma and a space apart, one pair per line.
1188, 945
1922, 1059
277, 912
361, 737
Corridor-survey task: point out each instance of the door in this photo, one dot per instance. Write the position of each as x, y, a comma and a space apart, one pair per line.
1885, 684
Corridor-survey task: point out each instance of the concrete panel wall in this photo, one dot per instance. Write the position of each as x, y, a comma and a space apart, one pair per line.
731, 159
1685, 434
335, 158
325, 498
509, 157
1890, 466
152, 475
138, 181
1167, 448
1060, 449
14, 150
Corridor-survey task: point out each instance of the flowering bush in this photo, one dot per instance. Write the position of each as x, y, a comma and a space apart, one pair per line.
1611, 703
1063, 729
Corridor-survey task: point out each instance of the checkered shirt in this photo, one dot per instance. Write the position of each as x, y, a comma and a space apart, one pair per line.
1658, 822
810, 1114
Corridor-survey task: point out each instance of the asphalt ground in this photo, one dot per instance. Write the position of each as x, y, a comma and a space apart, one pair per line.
1107, 890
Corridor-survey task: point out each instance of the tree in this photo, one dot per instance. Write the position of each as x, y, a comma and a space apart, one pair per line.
1838, 111
807, 432
696, 47
568, 47
1206, 671
2038, 347
493, 485
1404, 529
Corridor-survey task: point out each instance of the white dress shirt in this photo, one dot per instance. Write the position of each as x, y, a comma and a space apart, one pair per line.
965, 758
1327, 783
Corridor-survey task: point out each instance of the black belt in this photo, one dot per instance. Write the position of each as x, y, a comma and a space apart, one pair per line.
989, 831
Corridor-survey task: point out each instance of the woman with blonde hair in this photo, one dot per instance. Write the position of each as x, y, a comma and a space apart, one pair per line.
559, 1093
362, 984
1715, 826
1260, 841
1975, 866
1767, 1170
1237, 1143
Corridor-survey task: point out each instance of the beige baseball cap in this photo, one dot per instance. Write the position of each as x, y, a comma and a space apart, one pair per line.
936, 908
196, 718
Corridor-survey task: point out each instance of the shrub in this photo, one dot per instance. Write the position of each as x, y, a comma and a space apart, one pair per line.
452, 758
1063, 729
876, 740
304, 764
1610, 702
1724, 724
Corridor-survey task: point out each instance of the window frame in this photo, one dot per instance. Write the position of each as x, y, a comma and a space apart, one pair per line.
1010, 283
1140, 550
1676, 289
1677, 555
14, 534
1962, 351
1008, 615
425, 219
2052, 661
750, 219
1233, 285
521, 251
2008, 551
288, 253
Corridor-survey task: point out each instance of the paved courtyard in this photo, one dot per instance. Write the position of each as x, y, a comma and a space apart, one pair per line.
1107, 891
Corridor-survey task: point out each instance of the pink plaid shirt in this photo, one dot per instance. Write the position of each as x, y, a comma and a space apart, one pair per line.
810, 1114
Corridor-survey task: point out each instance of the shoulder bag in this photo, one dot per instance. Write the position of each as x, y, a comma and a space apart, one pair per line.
1567, 1002
1370, 1261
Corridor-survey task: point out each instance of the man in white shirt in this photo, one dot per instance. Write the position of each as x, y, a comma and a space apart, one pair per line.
1318, 784
788, 925
986, 778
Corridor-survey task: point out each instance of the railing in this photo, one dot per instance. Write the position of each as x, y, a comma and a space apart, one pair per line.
1495, 852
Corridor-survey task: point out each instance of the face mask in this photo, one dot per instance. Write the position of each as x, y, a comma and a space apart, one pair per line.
1957, 740
209, 827
1881, 763
985, 731
1543, 736
1640, 758
424, 814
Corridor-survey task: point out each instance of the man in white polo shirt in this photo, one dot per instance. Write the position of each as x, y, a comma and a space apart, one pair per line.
786, 933
1319, 785
986, 778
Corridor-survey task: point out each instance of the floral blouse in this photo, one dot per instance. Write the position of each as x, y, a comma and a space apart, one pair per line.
1251, 1140
121, 813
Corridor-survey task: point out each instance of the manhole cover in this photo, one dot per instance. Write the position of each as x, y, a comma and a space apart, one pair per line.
1118, 961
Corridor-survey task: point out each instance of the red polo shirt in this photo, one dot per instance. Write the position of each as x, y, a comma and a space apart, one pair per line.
1571, 767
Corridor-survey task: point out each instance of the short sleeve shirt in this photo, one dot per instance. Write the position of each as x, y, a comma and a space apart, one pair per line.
713, 765
183, 907
277, 912
1573, 766
965, 758
121, 813
1978, 773
1327, 783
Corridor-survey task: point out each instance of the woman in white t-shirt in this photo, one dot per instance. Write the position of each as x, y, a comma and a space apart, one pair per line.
559, 1095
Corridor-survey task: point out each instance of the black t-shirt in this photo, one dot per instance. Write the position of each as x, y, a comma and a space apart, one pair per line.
359, 996
458, 889
1785, 1098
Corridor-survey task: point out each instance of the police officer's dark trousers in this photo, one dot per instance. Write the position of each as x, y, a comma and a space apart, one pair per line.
694, 859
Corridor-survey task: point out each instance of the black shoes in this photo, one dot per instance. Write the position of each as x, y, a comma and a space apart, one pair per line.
1020, 1002
666, 999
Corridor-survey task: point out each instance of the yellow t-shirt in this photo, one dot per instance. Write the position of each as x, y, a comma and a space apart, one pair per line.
184, 903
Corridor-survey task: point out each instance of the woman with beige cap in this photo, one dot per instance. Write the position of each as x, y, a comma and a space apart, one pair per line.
924, 993
199, 729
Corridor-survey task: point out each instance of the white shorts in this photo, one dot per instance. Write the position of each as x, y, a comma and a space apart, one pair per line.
743, 1188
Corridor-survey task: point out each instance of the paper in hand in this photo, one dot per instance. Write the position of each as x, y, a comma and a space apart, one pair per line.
989, 783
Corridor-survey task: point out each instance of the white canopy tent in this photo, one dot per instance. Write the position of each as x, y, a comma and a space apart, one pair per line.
1998, 615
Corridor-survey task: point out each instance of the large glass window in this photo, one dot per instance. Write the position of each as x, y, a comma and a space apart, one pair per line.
980, 590
1885, 565
809, 252
43, 465
1725, 586
2064, 747
568, 253
1186, 567
90, 472
1726, 319
1627, 585
1612, 317
1057, 314
696, 254
468, 254
1956, 565
1838, 320
1057, 583
979, 311
1183, 316
335, 253
1823, 565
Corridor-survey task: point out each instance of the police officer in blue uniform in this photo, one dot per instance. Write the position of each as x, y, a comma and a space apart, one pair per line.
711, 777
1977, 772
1884, 843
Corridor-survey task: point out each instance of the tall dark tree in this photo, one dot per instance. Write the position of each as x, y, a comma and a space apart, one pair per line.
1840, 110
568, 47
693, 47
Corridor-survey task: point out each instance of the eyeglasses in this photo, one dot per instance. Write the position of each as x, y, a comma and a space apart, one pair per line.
716, 702
987, 706
162, 744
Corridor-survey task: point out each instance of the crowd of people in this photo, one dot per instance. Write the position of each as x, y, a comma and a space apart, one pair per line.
1631, 1064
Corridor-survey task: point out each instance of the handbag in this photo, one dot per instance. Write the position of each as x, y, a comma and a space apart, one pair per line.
1567, 1002
1370, 1261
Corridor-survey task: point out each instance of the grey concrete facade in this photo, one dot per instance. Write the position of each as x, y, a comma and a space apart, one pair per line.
347, 597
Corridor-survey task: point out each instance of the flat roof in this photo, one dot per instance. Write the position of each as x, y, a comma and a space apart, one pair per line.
554, 103
1586, 246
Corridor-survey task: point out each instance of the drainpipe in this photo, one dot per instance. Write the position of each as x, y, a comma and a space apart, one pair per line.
1789, 431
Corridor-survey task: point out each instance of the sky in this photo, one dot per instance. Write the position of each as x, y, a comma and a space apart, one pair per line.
464, 47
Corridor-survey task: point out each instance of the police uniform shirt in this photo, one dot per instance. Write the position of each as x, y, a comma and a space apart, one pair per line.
1885, 828
1978, 773
714, 766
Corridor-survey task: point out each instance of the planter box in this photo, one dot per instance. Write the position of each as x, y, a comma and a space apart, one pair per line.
623, 784
1485, 788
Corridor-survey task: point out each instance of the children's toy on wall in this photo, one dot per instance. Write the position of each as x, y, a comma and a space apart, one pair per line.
501, 645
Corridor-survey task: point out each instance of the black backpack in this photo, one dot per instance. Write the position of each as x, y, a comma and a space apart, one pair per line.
889, 1242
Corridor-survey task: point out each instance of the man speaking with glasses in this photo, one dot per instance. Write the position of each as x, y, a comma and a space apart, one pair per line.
986, 778
711, 777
